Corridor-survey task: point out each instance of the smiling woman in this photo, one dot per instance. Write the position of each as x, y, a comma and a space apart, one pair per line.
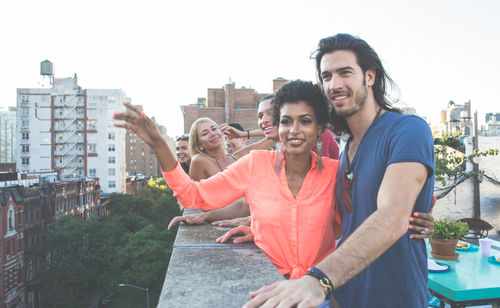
293, 217
207, 148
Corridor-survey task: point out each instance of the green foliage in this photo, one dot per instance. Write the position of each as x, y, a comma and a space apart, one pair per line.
450, 164
92, 257
446, 230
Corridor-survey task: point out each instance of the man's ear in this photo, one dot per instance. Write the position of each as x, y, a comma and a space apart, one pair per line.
370, 77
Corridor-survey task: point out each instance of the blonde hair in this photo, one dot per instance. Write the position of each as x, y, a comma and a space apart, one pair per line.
194, 139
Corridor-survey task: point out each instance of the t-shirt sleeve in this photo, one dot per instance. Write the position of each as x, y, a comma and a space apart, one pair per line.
411, 141
215, 192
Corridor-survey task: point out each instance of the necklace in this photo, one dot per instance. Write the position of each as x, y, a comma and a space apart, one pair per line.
348, 172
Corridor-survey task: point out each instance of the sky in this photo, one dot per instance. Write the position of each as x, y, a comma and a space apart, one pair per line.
164, 54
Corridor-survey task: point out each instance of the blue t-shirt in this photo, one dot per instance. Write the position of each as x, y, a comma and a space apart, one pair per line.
398, 278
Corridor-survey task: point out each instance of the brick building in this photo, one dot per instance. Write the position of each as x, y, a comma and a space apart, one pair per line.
228, 104
28, 208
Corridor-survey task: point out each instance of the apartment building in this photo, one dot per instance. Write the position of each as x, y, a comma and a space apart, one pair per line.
228, 104
8, 135
28, 208
70, 129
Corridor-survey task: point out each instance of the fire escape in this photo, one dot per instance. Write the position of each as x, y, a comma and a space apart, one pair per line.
69, 133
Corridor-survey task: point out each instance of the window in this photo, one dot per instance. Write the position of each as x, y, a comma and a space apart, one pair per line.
92, 124
111, 184
111, 147
25, 161
111, 136
111, 171
11, 219
92, 148
92, 172
19, 215
25, 136
25, 111
25, 123
111, 160
25, 148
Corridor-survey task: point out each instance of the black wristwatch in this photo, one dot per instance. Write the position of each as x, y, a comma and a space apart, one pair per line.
324, 281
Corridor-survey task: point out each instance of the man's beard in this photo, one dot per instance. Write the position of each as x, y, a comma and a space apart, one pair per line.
359, 102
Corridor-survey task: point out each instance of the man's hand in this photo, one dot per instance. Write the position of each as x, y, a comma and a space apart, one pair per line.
232, 132
245, 230
235, 222
195, 219
305, 292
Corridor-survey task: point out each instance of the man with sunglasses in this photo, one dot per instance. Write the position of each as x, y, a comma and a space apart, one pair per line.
386, 172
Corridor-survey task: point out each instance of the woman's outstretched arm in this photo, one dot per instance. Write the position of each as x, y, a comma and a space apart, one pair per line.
137, 121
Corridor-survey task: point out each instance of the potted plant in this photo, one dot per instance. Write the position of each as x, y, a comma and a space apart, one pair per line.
445, 237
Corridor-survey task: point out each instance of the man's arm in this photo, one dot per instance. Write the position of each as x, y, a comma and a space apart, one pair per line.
263, 144
396, 197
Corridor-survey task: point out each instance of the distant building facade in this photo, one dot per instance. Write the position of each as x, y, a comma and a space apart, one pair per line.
454, 118
8, 135
28, 208
70, 129
228, 104
492, 124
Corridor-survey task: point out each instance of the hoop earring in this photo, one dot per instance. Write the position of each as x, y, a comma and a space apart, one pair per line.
277, 161
319, 153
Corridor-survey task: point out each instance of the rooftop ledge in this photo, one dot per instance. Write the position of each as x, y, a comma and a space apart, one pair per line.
202, 273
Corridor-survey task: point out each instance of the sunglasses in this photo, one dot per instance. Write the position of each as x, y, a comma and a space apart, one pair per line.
347, 181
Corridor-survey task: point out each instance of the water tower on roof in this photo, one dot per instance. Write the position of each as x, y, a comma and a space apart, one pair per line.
47, 70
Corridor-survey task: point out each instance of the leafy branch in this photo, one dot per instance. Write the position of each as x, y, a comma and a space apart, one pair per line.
450, 159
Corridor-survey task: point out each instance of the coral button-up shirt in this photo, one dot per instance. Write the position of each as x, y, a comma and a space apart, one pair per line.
295, 233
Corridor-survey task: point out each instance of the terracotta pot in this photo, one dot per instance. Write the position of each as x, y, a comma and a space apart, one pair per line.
444, 249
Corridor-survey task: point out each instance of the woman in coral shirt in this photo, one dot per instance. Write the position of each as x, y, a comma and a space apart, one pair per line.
289, 191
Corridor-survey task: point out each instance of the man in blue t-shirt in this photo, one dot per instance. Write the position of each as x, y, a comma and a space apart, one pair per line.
386, 172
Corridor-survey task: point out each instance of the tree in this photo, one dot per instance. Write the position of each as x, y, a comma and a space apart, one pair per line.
131, 245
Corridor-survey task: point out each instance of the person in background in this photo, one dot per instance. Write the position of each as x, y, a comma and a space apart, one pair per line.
235, 144
234, 215
182, 151
329, 147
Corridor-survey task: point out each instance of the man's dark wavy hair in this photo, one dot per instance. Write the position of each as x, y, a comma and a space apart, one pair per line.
367, 59
299, 90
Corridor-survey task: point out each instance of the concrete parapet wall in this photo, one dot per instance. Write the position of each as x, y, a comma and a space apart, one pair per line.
202, 273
